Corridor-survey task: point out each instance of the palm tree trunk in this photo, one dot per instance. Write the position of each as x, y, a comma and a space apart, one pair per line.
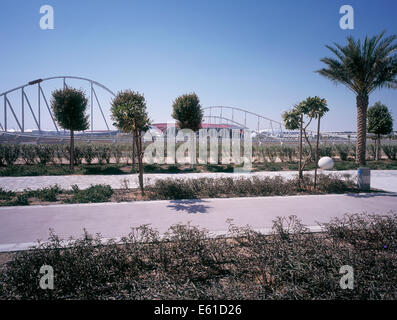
362, 106
71, 162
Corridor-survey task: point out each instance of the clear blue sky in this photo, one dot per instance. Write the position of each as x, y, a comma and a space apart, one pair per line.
259, 55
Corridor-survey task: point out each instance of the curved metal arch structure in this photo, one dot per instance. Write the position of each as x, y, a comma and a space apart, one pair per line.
263, 126
275, 128
228, 121
20, 121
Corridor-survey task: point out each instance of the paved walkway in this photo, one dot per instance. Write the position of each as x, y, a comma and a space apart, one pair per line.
21, 226
380, 179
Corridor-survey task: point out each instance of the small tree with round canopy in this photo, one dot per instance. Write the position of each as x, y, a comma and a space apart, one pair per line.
69, 107
130, 116
187, 112
380, 122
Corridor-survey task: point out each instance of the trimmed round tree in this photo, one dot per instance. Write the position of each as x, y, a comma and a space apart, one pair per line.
363, 67
130, 116
187, 112
380, 122
69, 106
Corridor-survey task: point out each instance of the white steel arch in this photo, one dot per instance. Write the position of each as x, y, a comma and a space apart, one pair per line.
20, 121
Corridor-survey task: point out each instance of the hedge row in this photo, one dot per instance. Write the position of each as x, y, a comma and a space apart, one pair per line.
287, 153
170, 188
117, 153
58, 153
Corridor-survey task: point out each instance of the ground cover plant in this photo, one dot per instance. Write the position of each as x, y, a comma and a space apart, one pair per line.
95, 193
189, 263
49, 195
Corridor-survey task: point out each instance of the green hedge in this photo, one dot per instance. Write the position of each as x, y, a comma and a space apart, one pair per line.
122, 153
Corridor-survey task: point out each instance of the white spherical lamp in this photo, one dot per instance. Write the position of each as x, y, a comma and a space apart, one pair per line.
326, 163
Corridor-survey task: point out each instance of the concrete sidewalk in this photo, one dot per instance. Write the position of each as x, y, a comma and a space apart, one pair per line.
380, 179
20, 227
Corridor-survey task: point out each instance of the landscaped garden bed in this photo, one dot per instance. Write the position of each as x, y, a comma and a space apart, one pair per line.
171, 188
188, 263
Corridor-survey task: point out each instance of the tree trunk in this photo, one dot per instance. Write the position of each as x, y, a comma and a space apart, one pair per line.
71, 162
318, 139
378, 150
362, 106
133, 152
300, 148
138, 142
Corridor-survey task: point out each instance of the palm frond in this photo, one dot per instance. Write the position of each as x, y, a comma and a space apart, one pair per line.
363, 66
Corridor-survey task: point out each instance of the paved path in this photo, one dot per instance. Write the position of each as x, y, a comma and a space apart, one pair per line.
380, 179
21, 226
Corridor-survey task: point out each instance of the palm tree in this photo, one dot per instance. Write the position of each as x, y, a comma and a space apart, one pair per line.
363, 68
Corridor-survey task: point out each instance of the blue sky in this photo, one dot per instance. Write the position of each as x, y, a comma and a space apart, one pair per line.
259, 55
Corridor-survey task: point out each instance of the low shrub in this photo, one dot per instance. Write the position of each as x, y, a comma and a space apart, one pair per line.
21, 199
287, 153
117, 152
173, 168
89, 154
219, 168
371, 151
331, 184
241, 187
271, 153
78, 154
44, 153
352, 151
95, 193
187, 263
28, 153
6, 195
34, 170
342, 151
390, 151
102, 169
45, 194
103, 153
9, 154
174, 189
325, 151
